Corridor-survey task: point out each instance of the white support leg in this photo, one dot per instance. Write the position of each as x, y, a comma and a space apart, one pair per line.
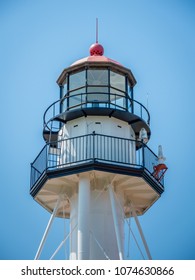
83, 217
47, 229
62, 243
116, 225
142, 235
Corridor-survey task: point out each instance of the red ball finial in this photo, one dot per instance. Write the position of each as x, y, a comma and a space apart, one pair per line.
96, 49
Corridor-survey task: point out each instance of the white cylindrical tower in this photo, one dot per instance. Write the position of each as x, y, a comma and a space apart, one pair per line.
96, 158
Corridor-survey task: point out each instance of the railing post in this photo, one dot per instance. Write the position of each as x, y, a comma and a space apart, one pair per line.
143, 155
93, 146
46, 156
61, 96
132, 98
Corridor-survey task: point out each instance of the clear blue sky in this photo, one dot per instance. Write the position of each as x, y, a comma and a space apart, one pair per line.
156, 40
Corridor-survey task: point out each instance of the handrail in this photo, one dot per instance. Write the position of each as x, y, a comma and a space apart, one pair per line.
109, 102
90, 147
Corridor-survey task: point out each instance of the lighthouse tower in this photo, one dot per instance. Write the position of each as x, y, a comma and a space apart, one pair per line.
96, 168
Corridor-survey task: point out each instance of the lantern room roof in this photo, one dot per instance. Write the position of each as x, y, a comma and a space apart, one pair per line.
96, 58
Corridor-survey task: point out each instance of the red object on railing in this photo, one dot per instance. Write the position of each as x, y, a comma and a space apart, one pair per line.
159, 171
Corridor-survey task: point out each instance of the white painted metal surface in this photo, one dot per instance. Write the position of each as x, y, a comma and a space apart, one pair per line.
116, 222
91, 210
94, 213
83, 217
98, 125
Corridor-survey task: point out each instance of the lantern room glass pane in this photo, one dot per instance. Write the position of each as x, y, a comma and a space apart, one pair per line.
97, 97
97, 89
75, 101
97, 77
117, 101
77, 80
77, 97
117, 92
117, 80
97, 94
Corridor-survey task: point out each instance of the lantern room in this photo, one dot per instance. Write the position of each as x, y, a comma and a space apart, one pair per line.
97, 86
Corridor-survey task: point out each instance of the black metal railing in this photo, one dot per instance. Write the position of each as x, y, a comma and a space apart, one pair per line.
92, 147
95, 99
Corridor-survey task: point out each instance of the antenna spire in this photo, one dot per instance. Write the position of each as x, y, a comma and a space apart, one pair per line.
96, 30
96, 49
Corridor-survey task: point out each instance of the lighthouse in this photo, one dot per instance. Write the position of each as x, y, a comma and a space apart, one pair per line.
96, 168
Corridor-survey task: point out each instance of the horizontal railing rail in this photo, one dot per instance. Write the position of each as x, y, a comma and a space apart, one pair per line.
94, 99
92, 147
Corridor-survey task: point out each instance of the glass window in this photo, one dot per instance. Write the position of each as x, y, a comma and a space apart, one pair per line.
65, 89
101, 97
77, 80
130, 91
118, 101
77, 92
97, 77
117, 80
75, 101
97, 94
76, 97
97, 89
117, 92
